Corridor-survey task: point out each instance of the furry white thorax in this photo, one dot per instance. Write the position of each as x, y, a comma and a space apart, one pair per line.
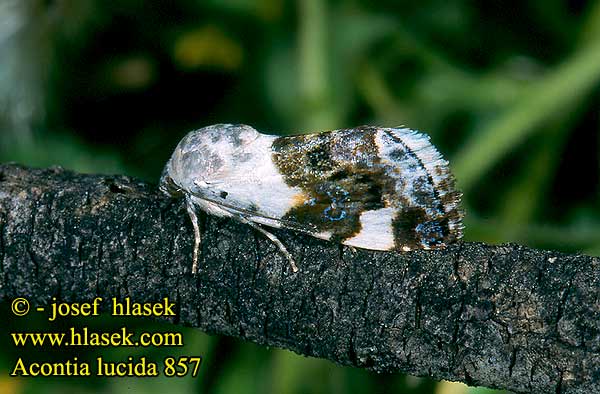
246, 174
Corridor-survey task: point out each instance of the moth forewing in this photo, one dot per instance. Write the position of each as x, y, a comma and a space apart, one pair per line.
368, 187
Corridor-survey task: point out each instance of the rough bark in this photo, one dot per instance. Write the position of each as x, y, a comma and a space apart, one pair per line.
503, 316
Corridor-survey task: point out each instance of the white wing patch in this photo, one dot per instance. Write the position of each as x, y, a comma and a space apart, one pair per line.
376, 230
257, 181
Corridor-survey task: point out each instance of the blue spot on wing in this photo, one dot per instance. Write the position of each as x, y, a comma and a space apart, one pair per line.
341, 214
338, 198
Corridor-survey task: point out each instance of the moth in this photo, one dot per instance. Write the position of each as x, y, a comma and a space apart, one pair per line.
367, 187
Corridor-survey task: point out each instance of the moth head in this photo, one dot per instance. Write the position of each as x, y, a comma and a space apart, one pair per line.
206, 157
167, 186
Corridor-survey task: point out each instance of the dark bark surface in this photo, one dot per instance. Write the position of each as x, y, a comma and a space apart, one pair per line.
501, 316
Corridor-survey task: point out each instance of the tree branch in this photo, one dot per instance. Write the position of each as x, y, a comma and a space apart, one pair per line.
499, 316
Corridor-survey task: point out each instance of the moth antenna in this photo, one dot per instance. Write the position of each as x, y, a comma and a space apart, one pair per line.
273, 239
197, 239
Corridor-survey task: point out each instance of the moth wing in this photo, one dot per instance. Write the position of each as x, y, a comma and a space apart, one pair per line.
345, 189
346, 207
237, 210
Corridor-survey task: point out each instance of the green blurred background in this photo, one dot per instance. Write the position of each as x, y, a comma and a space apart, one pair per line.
508, 91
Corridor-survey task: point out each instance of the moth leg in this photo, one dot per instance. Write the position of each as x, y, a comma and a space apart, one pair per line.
191, 211
274, 239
